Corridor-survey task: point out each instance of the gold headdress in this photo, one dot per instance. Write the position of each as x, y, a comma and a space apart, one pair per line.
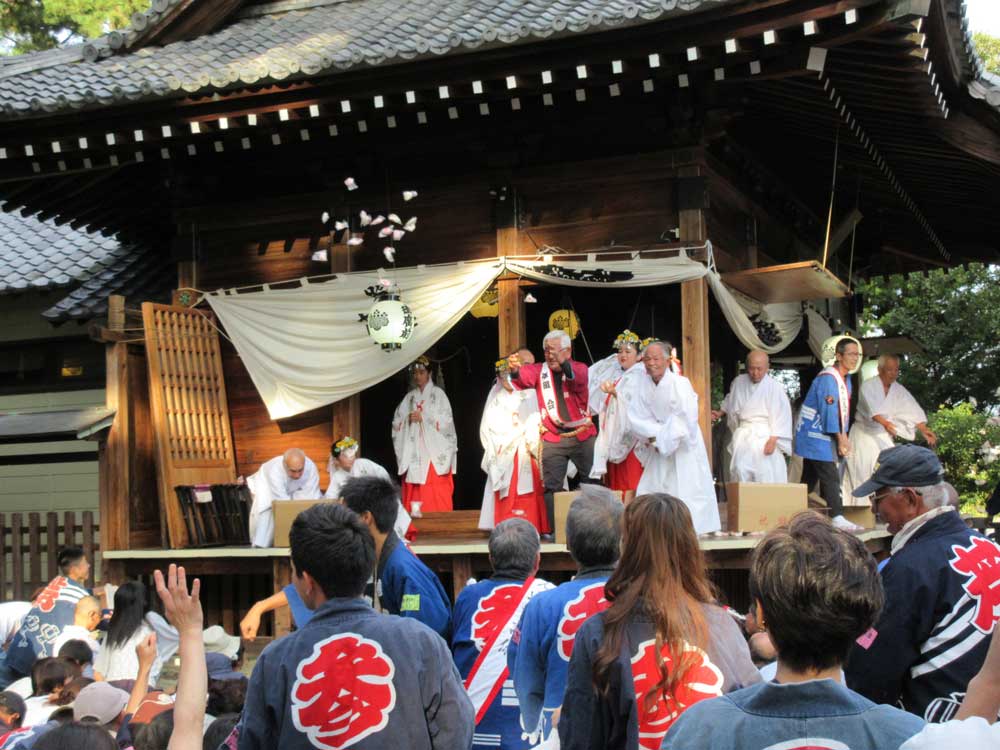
627, 338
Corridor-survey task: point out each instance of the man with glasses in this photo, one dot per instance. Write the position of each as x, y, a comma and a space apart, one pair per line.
942, 592
821, 432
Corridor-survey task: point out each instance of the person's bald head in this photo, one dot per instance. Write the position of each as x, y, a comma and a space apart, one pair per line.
88, 613
758, 363
951, 495
527, 358
294, 461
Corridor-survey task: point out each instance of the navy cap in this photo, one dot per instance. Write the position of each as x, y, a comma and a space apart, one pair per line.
903, 466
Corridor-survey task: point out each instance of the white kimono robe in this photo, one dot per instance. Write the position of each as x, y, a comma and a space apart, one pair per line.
271, 482
509, 434
616, 437
419, 444
362, 467
667, 412
755, 412
869, 438
602, 370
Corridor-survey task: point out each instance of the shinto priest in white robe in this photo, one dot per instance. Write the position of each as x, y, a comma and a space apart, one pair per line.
431, 442
667, 413
362, 467
270, 483
869, 438
509, 433
755, 412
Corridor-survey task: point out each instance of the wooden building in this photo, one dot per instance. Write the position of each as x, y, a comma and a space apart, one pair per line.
811, 141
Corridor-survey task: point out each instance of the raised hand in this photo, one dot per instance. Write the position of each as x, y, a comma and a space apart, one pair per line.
183, 609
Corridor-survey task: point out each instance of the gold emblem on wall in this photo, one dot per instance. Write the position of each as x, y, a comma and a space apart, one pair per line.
487, 306
565, 320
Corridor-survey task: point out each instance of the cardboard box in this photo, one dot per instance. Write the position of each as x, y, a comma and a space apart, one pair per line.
762, 507
285, 512
861, 515
562, 501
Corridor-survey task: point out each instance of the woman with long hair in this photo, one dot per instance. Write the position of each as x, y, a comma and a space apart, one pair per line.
129, 626
663, 644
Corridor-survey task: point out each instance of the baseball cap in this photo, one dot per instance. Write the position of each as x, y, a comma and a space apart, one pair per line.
99, 702
903, 466
221, 668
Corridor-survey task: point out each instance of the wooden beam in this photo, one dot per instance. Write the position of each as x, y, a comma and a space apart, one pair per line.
511, 318
694, 320
842, 231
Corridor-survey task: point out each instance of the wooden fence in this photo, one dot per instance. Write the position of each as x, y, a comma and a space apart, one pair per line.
31, 544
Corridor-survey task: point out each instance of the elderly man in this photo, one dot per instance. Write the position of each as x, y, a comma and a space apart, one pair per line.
509, 434
886, 410
942, 592
486, 616
821, 433
538, 657
291, 476
561, 390
423, 436
664, 412
760, 419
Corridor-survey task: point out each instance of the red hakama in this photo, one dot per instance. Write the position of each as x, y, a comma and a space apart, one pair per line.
624, 476
434, 495
529, 506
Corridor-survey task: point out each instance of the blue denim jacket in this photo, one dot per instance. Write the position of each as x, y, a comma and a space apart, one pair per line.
816, 714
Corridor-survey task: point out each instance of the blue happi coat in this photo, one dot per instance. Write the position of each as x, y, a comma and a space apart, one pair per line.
53, 609
500, 726
538, 657
408, 588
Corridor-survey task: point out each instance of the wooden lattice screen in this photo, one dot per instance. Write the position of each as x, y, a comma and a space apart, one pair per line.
190, 415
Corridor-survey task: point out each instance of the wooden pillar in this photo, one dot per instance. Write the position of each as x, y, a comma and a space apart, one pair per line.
281, 574
114, 466
511, 319
347, 411
695, 313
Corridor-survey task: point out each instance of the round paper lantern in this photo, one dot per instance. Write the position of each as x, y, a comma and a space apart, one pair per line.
390, 322
829, 351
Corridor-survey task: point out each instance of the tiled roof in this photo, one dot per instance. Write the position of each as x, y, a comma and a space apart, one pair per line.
318, 37
40, 255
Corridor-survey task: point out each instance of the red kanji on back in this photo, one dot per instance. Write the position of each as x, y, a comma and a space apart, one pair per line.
343, 692
50, 594
588, 602
701, 680
981, 561
493, 612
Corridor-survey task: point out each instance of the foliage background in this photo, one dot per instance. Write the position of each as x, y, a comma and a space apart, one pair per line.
31, 25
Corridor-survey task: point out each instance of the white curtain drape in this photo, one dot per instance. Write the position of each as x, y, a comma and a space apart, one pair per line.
737, 309
306, 347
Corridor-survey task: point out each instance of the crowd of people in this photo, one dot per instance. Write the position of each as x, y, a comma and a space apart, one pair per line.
636, 651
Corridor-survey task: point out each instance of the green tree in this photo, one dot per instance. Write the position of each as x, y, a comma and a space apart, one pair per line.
31, 25
969, 449
955, 317
988, 48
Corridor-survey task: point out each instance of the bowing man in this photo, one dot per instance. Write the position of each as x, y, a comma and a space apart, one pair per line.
423, 435
291, 476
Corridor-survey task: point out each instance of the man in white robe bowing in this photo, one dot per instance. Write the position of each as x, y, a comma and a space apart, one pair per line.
509, 432
423, 435
886, 410
760, 420
665, 413
291, 476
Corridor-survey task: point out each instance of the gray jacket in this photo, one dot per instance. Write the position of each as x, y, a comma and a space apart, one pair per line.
355, 677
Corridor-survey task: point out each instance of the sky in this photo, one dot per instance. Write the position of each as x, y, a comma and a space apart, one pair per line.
984, 15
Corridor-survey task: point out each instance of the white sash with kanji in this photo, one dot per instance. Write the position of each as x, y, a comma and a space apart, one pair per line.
549, 404
488, 674
844, 397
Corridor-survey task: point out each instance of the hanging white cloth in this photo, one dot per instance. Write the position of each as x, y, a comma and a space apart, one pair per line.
667, 413
737, 308
819, 331
616, 438
755, 412
430, 441
271, 482
634, 272
509, 434
869, 438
